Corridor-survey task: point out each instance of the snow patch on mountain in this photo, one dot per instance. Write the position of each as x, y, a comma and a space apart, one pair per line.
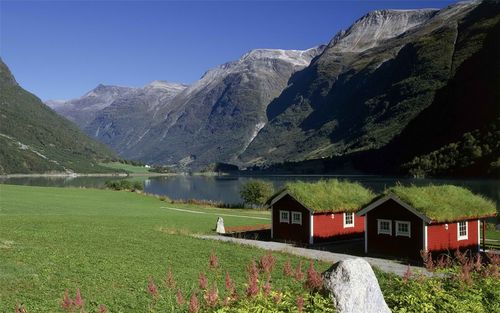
166, 86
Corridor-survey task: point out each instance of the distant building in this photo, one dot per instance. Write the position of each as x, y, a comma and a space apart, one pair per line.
437, 219
308, 213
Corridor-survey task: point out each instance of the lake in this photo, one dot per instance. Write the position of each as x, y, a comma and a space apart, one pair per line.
226, 188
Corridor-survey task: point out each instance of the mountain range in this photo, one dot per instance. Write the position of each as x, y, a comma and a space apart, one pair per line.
35, 139
384, 102
391, 90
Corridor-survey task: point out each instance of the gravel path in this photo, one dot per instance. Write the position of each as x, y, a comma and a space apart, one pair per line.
383, 264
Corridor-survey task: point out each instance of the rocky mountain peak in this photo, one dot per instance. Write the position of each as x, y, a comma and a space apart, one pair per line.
376, 26
257, 58
106, 91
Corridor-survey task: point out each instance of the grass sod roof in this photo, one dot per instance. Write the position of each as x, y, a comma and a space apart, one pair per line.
445, 203
328, 195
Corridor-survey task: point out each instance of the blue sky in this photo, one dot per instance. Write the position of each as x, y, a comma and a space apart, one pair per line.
62, 49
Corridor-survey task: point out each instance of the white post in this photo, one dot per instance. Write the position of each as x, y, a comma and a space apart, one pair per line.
478, 235
425, 236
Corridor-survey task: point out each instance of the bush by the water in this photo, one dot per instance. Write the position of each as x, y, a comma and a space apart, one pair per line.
124, 185
255, 192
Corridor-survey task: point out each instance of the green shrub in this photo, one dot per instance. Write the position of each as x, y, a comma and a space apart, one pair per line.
280, 302
441, 294
123, 185
256, 192
137, 186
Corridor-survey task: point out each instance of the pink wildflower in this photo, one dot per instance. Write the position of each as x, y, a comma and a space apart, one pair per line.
443, 261
461, 257
212, 296
214, 261
478, 262
202, 281
152, 289
266, 289
465, 273
427, 258
314, 281
102, 309
299, 275
180, 298
252, 269
170, 280
194, 305
300, 303
253, 277
78, 299
267, 262
494, 266
66, 303
252, 288
287, 268
229, 284
408, 274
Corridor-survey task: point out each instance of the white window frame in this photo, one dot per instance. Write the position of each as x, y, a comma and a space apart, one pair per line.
285, 220
345, 217
299, 214
384, 232
403, 234
466, 236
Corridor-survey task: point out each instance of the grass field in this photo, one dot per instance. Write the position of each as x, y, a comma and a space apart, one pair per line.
107, 243
133, 169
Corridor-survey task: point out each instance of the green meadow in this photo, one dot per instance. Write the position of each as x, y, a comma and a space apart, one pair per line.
111, 243
108, 244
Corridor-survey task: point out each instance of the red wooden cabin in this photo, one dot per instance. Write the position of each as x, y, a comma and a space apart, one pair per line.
404, 228
296, 218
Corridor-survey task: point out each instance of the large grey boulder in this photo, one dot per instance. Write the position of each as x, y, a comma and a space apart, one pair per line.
354, 288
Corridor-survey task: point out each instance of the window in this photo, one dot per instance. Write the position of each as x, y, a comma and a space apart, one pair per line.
384, 227
462, 230
284, 217
297, 218
348, 219
403, 229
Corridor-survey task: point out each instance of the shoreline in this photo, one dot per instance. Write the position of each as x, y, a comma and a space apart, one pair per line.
233, 174
151, 174
81, 175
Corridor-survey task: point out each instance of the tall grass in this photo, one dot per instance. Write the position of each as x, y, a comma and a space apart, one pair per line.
445, 203
331, 195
